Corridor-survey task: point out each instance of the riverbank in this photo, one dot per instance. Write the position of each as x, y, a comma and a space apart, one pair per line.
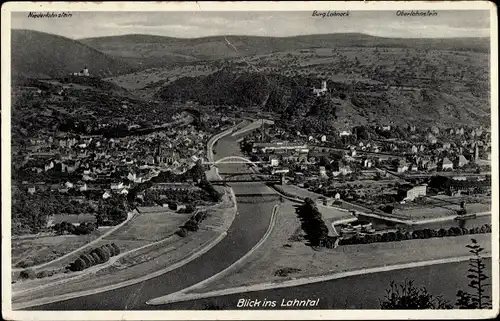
287, 251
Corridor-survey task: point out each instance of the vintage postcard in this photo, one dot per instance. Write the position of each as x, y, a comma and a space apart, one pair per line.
205, 160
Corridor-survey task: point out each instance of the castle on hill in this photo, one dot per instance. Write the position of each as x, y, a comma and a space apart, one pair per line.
321, 91
83, 72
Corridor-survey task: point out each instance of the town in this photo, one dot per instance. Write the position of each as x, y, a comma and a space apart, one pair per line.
232, 172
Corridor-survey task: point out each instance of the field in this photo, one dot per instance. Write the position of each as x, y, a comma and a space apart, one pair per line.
442, 205
47, 248
300, 192
279, 252
141, 230
149, 227
143, 258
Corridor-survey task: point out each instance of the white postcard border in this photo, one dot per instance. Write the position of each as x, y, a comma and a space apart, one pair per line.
7, 312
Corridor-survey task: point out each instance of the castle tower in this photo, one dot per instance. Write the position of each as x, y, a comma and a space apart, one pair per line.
476, 153
86, 71
323, 85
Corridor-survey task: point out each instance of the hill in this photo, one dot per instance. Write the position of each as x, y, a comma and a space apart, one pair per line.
351, 103
158, 50
38, 54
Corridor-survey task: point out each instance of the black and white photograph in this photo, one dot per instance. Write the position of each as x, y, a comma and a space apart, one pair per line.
249, 160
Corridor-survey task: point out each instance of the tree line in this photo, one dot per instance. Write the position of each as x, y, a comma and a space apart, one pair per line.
94, 256
417, 234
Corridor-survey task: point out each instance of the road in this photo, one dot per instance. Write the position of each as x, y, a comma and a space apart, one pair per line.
247, 229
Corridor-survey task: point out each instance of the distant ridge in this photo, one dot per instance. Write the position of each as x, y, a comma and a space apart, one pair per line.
38, 54
214, 47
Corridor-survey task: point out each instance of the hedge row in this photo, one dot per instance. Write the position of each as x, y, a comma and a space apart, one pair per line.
192, 225
30, 274
417, 234
82, 229
94, 256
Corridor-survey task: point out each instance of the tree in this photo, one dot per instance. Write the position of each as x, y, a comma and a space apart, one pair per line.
78, 265
477, 300
107, 252
103, 256
27, 274
190, 208
210, 190
86, 258
312, 222
117, 249
197, 172
407, 296
96, 258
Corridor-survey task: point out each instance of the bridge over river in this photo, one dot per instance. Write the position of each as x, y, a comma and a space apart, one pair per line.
255, 204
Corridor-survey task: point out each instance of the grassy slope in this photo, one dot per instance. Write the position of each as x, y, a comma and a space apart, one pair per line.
40, 54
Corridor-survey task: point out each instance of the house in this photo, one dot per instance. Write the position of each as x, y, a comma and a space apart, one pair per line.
408, 192
431, 139
322, 172
344, 133
461, 161
424, 163
31, 190
402, 167
446, 164
106, 195
68, 185
49, 166
414, 168
166, 155
274, 160
414, 149
367, 163
345, 169
337, 196
431, 165
323, 138
302, 158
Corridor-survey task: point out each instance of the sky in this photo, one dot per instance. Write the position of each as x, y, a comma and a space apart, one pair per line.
270, 23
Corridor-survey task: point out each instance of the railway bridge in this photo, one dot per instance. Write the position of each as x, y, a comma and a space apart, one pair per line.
277, 178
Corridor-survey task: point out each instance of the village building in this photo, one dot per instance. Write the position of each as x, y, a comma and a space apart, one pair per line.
402, 167
322, 172
446, 164
461, 161
274, 160
409, 193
